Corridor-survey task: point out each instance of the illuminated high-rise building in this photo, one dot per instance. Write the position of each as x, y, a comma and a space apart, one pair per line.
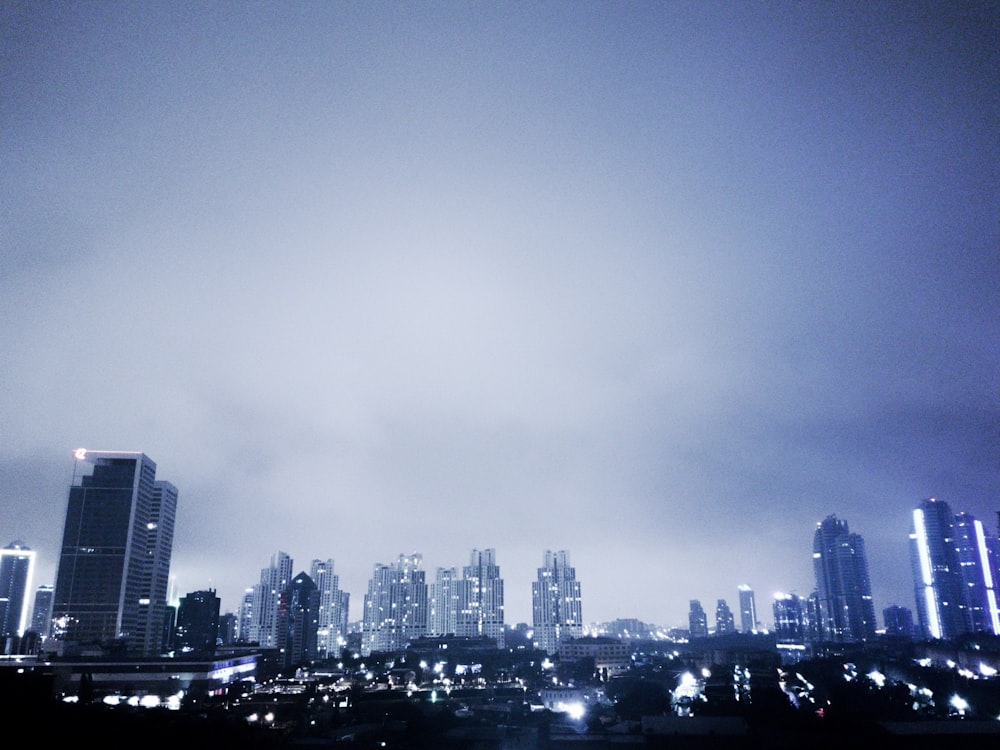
442, 603
748, 609
17, 566
480, 598
557, 606
977, 560
266, 596
697, 620
954, 573
395, 608
725, 622
41, 615
331, 619
113, 573
843, 586
244, 617
789, 618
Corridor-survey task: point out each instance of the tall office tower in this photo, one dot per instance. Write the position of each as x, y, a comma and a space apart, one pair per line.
442, 603
480, 598
266, 595
697, 620
789, 618
395, 610
847, 612
724, 620
155, 621
557, 607
111, 584
41, 615
17, 565
197, 629
748, 609
298, 621
812, 618
937, 572
898, 621
244, 617
331, 634
977, 557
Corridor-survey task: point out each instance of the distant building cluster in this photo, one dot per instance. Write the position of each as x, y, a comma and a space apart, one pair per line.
956, 566
110, 593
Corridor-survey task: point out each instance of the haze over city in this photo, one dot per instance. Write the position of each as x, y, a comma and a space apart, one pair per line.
661, 284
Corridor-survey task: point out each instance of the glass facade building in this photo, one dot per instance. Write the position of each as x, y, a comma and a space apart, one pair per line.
843, 586
113, 572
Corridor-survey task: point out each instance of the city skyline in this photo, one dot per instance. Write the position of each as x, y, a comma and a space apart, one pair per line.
483, 604
661, 284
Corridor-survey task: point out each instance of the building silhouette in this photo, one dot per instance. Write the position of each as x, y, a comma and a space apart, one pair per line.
557, 607
263, 629
954, 563
395, 607
789, 618
17, 566
480, 598
898, 622
41, 614
228, 628
748, 609
298, 621
331, 619
697, 620
843, 585
197, 630
113, 572
725, 622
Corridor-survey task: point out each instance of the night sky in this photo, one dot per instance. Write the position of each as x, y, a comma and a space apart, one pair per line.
663, 284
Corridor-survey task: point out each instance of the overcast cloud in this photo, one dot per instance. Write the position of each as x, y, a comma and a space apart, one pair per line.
662, 284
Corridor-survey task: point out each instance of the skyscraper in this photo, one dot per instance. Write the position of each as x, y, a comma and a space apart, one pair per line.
41, 615
954, 572
697, 620
266, 595
395, 610
724, 620
789, 617
557, 607
331, 619
442, 603
843, 585
154, 616
298, 624
977, 560
748, 609
244, 616
111, 583
480, 598
17, 565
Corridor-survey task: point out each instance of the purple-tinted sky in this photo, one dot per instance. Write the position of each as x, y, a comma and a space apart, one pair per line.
660, 283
